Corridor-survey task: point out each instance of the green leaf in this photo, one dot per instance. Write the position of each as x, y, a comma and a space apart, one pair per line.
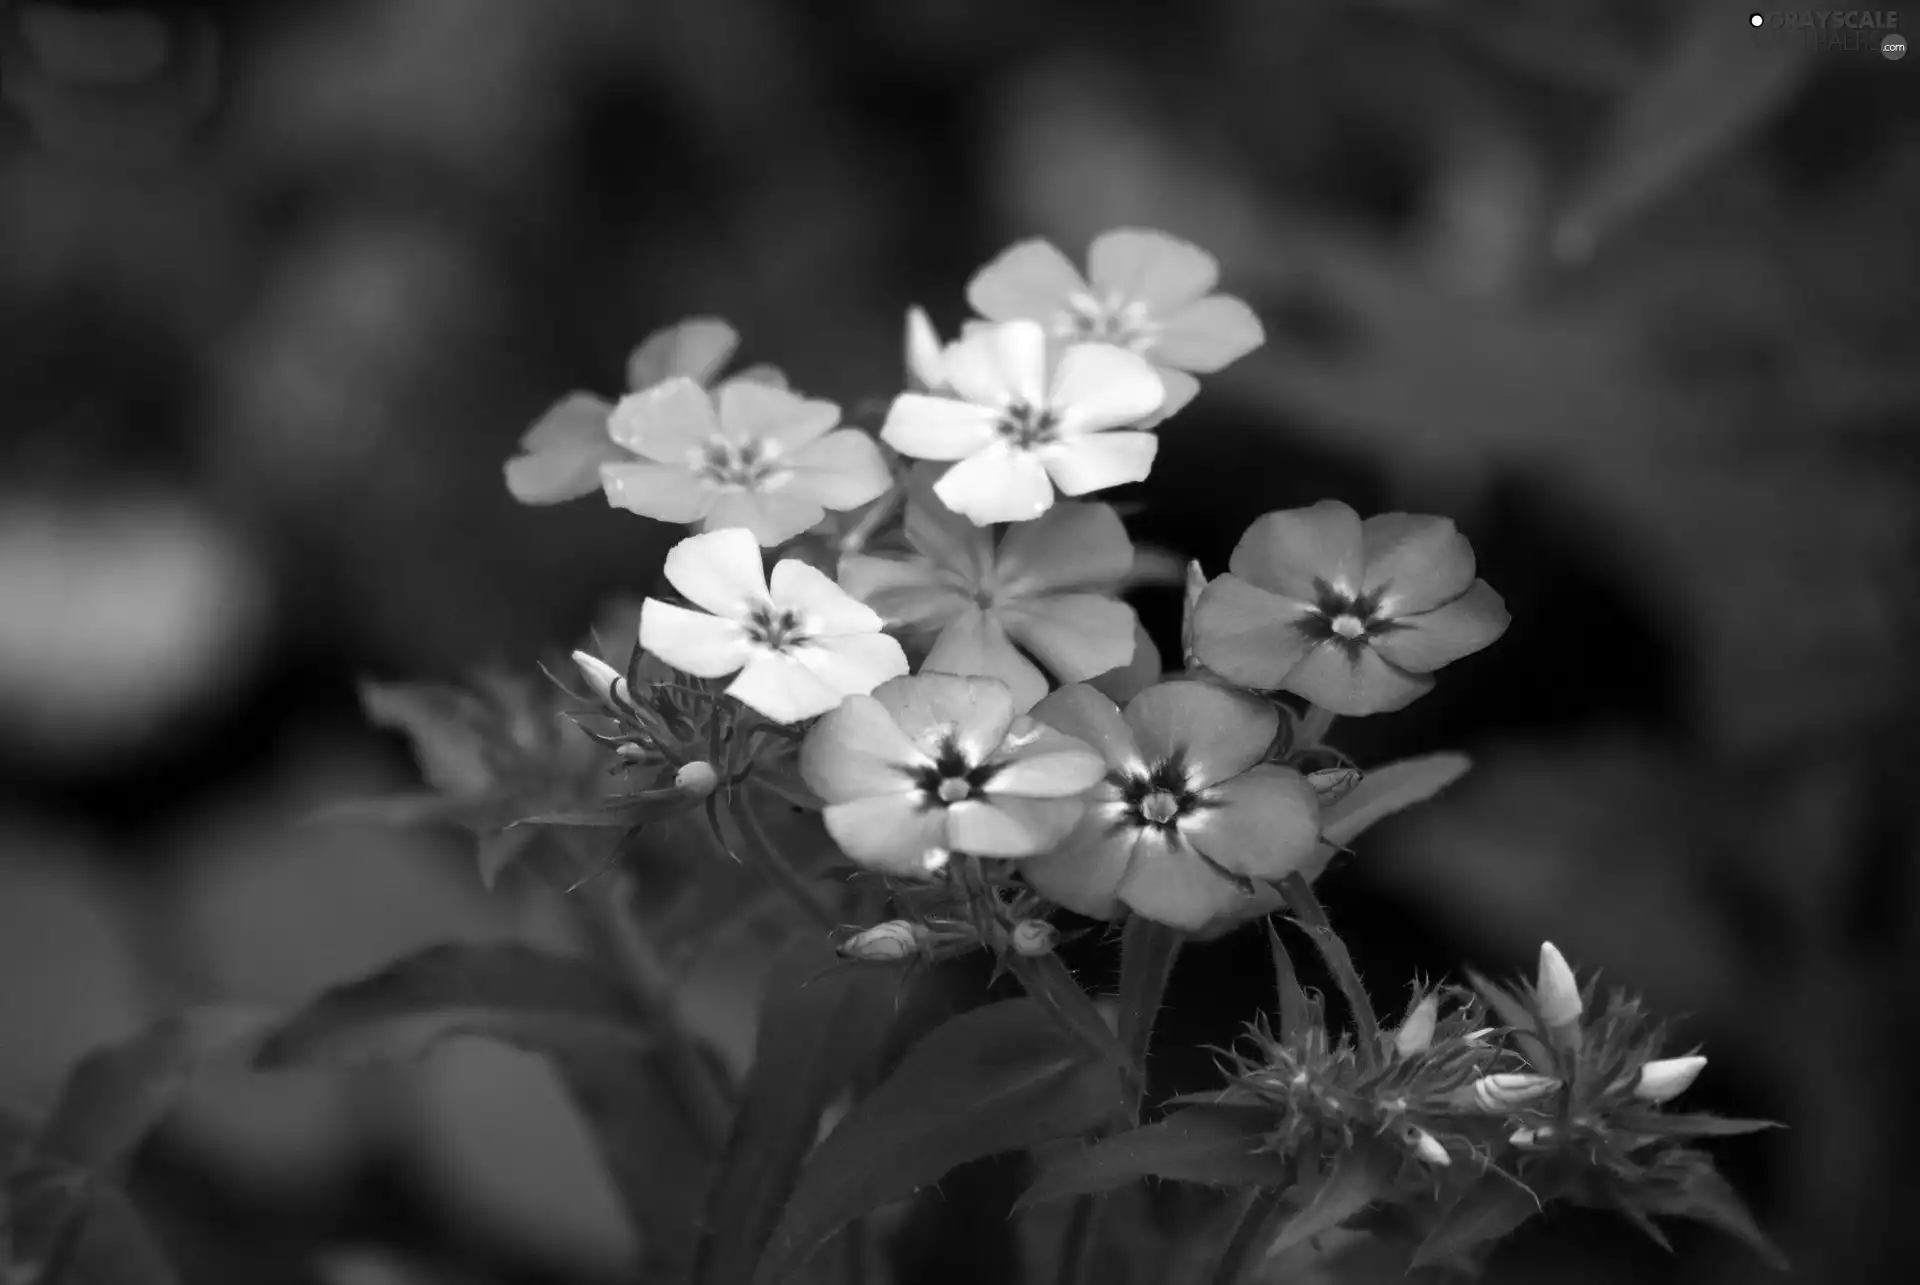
1217, 1146
1384, 791
443, 724
623, 813
89, 1234
1298, 1014
1147, 954
1519, 1017
1707, 1197
1356, 1180
524, 997
1047, 981
1311, 916
818, 1025
995, 1079
1689, 1124
1486, 1211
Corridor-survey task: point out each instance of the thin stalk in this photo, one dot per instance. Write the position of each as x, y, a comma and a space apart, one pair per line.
767, 856
1312, 916
1077, 1248
1312, 729
1247, 1234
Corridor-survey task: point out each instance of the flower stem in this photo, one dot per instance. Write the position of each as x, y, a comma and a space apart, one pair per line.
856, 540
1246, 1236
1082, 1235
1312, 916
1312, 729
767, 856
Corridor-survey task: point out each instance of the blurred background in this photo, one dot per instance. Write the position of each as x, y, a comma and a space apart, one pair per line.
1627, 288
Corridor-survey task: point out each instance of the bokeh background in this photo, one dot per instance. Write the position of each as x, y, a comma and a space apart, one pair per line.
1628, 289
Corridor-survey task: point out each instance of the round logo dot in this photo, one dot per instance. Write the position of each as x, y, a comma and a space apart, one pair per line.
1894, 47
1756, 20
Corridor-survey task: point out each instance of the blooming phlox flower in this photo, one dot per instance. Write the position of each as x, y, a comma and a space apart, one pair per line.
1187, 812
1021, 422
562, 453
1045, 586
1146, 291
1355, 616
800, 644
935, 764
747, 455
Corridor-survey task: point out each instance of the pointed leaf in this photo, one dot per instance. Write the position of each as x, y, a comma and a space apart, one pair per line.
1387, 790
1311, 916
528, 998
1215, 1145
1488, 1210
1709, 1198
1147, 954
1296, 1010
1690, 1124
994, 1079
1519, 1016
622, 813
818, 1024
443, 725
1356, 1181
1047, 981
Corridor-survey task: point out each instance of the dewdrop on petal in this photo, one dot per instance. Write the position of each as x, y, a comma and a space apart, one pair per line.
1555, 991
895, 939
1034, 938
1427, 1147
1502, 1092
1668, 1078
605, 680
1416, 1033
697, 778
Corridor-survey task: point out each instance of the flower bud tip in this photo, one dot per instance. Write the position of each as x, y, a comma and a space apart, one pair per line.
1034, 938
1427, 1147
605, 680
1501, 1092
697, 778
1668, 1078
1556, 991
1416, 1033
895, 939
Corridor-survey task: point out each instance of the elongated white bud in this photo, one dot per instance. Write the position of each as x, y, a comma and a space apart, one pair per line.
1427, 1147
1478, 1039
697, 778
1555, 990
1416, 1033
1034, 938
1502, 1092
605, 680
1667, 1078
925, 354
895, 939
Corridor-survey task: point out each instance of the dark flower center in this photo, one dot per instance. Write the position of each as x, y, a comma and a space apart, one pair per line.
744, 464
1347, 621
1160, 796
1028, 426
951, 778
775, 629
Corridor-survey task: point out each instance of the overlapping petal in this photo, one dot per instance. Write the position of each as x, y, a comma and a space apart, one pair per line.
1138, 264
755, 412
693, 642
1076, 635
720, 571
1207, 335
976, 712
1081, 465
1418, 562
858, 750
663, 492
668, 423
562, 453
977, 643
784, 687
1168, 882
1000, 366
1099, 386
697, 347
1011, 825
999, 483
1216, 732
1423, 643
840, 471
1072, 546
1353, 684
1287, 552
939, 428
1263, 823
890, 832
1030, 279
1247, 634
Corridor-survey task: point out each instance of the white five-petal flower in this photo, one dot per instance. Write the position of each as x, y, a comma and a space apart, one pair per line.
1021, 423
800, 644
750, 456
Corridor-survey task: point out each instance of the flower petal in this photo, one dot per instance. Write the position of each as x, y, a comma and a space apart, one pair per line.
697, 348
926, 364
1039, 761
1419, 561
1099, 386
1086, 714
720, 571
904, 591
824, 606
1354, 686
1000, 484
1170, 884
975, 711
841, 471
1000, 366
858, 750
1030, 279
854, 664
1265, 823
1181, 389
760, 373
1070, 546
773, 518
1085, 871
664, 492
1218, 733
784, 688
1011, 826
669, 423
1286, 552
562, 453
888, 832
1127, 681
1100, 460
692, 641
1207, 335
951, 542
938, 428
756, 412
1077, 636
1423, 643
976, 643
1145, 266
1246, 634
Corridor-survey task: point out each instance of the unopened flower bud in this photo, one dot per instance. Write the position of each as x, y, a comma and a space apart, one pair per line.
632, 751
697, 778
1416, 1033
1333, 784
1555, 991
1668, 1078
1502, 1092
1427, 1147
1196, 585
1478, 1039
895, 939
1034, 937
1530, 1138
925, 357
605, 680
